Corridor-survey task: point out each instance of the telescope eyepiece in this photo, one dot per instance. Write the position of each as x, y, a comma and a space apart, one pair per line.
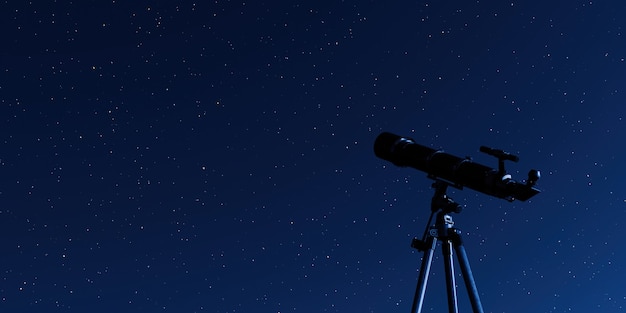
533, 177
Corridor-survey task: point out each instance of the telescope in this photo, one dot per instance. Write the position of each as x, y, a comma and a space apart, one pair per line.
455, 171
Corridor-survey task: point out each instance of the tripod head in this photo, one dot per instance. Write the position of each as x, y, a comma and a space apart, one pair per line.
441, 201
443, 206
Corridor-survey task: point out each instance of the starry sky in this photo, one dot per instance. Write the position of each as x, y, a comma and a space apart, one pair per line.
217, 156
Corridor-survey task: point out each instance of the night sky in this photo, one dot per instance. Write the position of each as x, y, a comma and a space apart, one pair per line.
172, 156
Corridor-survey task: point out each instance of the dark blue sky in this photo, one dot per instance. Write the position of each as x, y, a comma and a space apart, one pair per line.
168, 156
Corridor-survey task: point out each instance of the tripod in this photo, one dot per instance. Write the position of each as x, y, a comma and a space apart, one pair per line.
451, 238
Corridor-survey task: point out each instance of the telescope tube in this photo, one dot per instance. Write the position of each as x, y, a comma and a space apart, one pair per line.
458, 172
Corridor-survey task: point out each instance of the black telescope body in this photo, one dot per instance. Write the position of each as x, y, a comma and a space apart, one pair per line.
458, 172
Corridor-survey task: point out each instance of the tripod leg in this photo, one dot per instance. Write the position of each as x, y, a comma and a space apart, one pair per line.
427, 260
470, 284
453, 306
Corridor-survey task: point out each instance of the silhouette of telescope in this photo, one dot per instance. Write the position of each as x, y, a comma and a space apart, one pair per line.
457, 172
